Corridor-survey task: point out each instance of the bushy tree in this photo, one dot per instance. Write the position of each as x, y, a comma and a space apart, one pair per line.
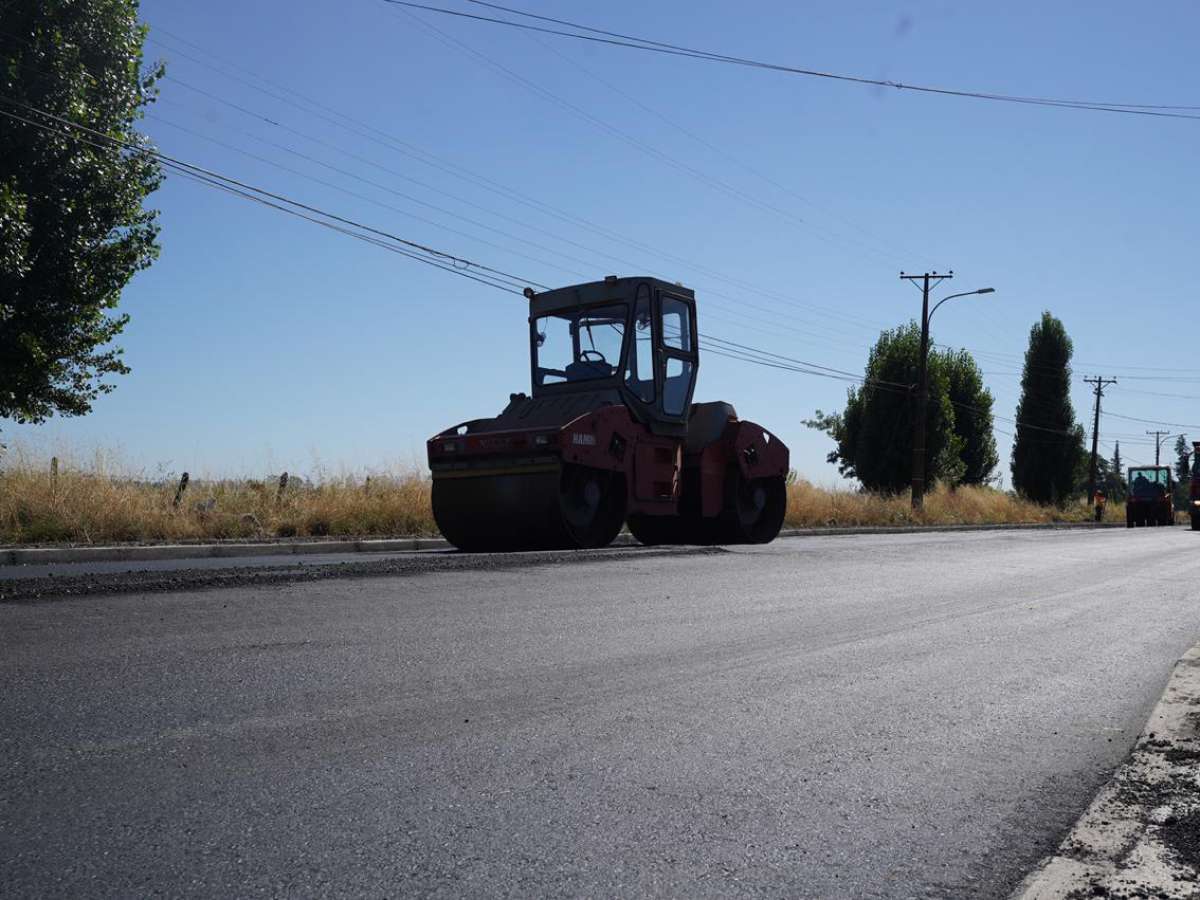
72, 227
972, 404
873, 435
1048, 448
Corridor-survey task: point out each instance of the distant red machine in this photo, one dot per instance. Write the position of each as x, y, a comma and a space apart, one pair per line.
1194, 493
1151, 496
609, 436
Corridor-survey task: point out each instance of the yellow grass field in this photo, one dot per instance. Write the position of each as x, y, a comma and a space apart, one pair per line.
101, 502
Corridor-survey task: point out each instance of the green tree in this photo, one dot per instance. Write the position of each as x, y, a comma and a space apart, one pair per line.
873, 435
73, 230
972, 404
1048, 448
1083, 475
1183, 467
1114, 480
1183, 458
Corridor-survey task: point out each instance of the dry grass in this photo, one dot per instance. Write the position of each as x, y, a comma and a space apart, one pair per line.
100, 502
813, 507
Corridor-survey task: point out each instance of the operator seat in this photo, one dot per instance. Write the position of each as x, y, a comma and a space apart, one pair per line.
706, 423
586, 369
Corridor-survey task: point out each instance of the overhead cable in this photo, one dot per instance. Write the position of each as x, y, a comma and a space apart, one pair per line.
599, 36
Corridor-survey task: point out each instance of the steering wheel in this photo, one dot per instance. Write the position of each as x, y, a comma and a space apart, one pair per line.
598, 361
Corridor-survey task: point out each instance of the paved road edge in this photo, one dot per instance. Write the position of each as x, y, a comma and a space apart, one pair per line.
1124, 844
13, 556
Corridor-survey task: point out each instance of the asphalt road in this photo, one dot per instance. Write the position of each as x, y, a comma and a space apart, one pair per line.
214, 563
871, 716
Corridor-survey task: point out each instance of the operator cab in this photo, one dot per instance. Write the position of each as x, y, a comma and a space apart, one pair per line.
632, 336
1149, 482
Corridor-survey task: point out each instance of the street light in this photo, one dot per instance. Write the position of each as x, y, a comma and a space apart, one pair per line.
1159, 437
918, 462
963, 294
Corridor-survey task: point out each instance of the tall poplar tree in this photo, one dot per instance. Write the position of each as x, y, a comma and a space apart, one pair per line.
73, 230
1048, 448
1114, 484
1183, 458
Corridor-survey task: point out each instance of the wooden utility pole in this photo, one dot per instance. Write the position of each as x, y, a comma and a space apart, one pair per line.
928, 280
1099, 384
1158, 436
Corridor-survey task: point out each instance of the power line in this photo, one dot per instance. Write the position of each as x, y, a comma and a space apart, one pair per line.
741, 301
449, 262
648, 149
894, 252
708, 290
426, 158
442, 259
345, 226
396, 145
711, 291
1153, 421
600, 36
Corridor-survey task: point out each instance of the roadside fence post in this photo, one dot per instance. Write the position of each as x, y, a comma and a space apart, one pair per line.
183, 483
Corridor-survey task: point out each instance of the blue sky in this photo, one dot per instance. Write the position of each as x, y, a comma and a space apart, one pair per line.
260, 342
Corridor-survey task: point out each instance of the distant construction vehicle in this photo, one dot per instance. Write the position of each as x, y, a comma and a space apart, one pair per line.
1151, 496
609, 436
1194, 491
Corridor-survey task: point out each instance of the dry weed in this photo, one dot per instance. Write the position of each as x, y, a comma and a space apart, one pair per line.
99, 501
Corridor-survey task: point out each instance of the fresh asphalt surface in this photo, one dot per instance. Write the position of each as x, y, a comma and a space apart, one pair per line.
868, 716
116, 567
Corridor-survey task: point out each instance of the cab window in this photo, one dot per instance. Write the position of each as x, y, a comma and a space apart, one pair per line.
676, 385
677, 324
639, 373
579, 345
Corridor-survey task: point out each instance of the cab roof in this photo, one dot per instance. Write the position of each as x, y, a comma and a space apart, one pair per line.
610, 288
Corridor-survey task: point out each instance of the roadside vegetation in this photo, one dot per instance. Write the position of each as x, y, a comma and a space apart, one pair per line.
810, 506
99, 501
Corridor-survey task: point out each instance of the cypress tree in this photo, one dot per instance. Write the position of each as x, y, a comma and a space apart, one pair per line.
1183, 457
1049, 443
1114, 484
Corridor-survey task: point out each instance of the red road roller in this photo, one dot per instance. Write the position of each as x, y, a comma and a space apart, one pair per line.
609, 435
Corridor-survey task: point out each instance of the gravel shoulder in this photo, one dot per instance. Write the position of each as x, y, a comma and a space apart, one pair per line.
1140, 837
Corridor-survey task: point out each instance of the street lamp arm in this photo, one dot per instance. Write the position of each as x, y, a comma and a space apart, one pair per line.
963, 294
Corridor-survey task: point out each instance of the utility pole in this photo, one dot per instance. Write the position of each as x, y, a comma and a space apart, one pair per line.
928, 280
1099, 384
1158, 438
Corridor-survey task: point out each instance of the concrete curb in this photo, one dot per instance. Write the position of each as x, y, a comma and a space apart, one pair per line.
1117, 849
16, 556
